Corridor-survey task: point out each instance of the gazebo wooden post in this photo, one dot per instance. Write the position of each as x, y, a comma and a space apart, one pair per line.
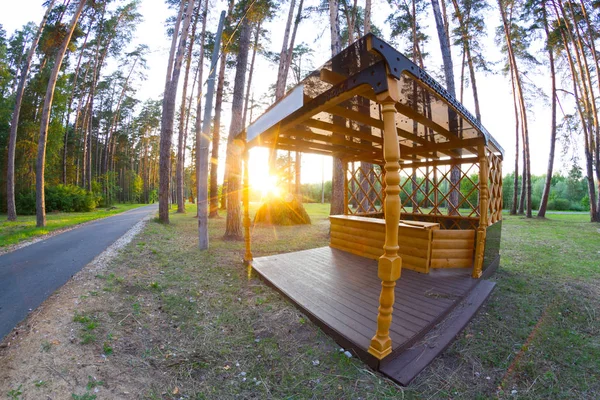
246, 201
390, 263
346, 205
484, 196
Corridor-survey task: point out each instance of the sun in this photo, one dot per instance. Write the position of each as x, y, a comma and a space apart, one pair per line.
268, 186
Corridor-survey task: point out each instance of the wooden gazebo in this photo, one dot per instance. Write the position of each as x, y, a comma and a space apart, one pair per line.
423, 194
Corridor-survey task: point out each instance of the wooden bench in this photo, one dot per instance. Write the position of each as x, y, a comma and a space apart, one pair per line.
422, 245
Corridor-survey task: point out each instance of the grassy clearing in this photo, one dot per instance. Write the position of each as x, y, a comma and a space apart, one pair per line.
539, 334
24, 227
177, 323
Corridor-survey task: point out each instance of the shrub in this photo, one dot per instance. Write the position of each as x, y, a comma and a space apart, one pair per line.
559, 205
66, 198
25, 203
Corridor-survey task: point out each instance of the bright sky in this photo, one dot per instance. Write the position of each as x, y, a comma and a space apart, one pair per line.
494, 90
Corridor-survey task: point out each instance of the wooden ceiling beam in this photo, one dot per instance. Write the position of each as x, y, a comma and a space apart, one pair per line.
333, 128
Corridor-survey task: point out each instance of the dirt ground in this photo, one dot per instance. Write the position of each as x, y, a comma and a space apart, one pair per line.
42, 358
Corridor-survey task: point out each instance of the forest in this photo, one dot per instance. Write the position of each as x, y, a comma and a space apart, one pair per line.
74, 134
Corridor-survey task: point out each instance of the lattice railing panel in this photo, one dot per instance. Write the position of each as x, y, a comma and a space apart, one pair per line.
364, 189
441, 190
436, 193
495, 188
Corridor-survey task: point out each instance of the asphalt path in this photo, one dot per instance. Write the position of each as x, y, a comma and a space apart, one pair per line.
31, 274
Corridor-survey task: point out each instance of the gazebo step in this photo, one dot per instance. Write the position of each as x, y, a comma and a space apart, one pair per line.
408, 364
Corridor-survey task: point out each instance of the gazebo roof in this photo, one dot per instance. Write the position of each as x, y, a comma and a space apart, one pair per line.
334, 111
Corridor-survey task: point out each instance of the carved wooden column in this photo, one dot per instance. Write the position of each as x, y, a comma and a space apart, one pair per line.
390, 263
484, 196
246, 201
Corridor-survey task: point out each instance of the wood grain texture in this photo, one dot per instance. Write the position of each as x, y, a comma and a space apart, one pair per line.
340, 292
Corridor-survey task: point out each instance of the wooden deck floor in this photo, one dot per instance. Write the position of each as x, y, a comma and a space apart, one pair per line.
340, 292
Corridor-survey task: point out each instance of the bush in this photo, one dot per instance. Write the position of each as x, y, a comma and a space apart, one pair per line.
25, 203
66, 198
559, 205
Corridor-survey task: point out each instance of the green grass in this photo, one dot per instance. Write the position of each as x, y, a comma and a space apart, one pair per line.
24, 227
200, 320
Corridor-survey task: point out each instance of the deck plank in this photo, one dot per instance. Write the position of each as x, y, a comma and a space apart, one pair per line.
340, 292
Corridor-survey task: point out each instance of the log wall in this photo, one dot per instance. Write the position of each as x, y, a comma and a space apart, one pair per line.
422, 245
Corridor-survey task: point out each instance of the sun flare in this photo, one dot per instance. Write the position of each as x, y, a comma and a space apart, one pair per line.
268, 186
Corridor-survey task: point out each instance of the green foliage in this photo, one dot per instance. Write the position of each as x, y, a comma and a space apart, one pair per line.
559, 204
107, 349
15, 394
93, 382
153, 196
25, 226
567, 193
65, 198
25, 203
312, 192
85, 396
69, 198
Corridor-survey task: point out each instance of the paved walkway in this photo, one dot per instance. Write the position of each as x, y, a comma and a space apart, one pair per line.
31, 274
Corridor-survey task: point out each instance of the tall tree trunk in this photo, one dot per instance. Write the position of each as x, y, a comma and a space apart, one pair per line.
337, 179
351, 21
168, 115
202, 159
45, 119
591, 33
113, 125
367, 17
593, 111
467, 50
182, 112
214, 162
523, 196
522, 109
14, 124
548, 182
577, 79
515, 198
69, 108
282, 71
367, 168
444, 39
216, 138
251, 73
233, 225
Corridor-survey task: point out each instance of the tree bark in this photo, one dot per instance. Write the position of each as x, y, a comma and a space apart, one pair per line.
444, 39
204, 141
214, 162
14, 124
251, 73
233, 225
548, 182
467, 50
588, 150
282, 71
515, 198
367, 17
216, 138
168, 115
45, 119
197, 127
522, 107
69, 108
182, 112
338, 178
